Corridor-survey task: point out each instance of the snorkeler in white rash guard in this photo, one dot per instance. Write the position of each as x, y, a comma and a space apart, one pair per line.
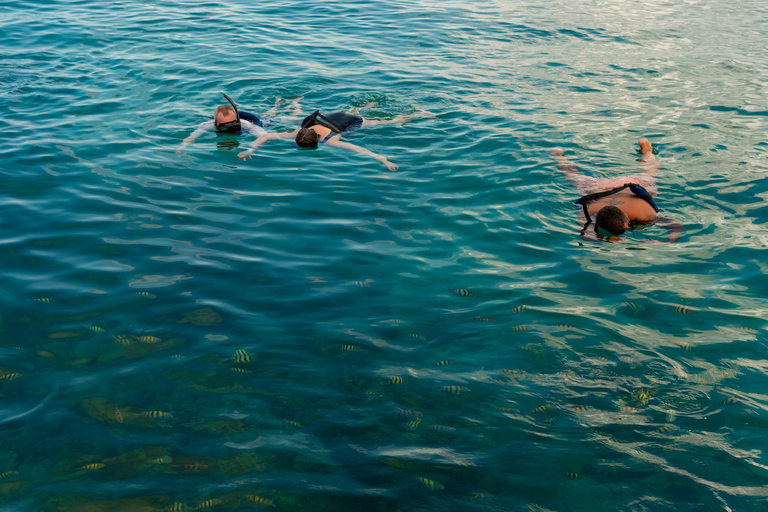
228, 119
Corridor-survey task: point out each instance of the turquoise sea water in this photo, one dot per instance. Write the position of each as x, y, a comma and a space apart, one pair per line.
310, 329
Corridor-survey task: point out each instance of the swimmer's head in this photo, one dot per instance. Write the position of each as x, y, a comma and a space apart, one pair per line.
306, 138
225, 119
612, 220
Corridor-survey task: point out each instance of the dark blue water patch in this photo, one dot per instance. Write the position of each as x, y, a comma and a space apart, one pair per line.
738, 110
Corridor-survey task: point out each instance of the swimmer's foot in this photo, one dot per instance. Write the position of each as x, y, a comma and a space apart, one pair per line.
556, 152
649, 163
645, 147
357, 110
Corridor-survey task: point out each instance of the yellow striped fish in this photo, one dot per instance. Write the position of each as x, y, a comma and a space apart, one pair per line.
414, 424
518, 309
730, 400
665, 429
294, 424
348, 348
455, 390
581, 408
44, 300
444, 362
242, 356
431, 484
193, 467
512, 372
683, 309
208, 503
634, 307
149, 339
165, 459
240, 370
441, 428
395, 381
476, 496
642, 396
573, 476
122, 339
506, 409
157, 414
94, 328
418, 337
146, 295
177, 507
521, 328
407, 413
261, 501
95, 465
541, 409
10, 376
463, 293
484, 319
8, 474
685, 346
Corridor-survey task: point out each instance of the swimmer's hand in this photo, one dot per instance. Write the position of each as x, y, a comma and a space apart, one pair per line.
186, 142
245, 155
390, 165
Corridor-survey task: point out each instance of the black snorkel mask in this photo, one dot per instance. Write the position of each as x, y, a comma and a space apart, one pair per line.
232, 126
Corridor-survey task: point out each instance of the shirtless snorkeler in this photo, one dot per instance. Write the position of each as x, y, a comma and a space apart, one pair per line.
619, 204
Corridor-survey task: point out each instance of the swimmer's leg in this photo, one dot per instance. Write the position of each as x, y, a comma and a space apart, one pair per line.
280, 101
567, 167
584, 184
295, 106
355, 111
402, 118
649, 163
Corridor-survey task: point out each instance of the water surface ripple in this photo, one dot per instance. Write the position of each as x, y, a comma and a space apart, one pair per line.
305, 330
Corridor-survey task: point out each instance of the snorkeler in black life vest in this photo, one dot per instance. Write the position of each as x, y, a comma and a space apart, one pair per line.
619, 204
328, 130
228, 119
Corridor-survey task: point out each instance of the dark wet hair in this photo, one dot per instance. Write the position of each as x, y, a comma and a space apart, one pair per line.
306, 138
611, 219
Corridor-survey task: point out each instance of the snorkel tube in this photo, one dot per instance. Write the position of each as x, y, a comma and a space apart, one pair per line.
232, 126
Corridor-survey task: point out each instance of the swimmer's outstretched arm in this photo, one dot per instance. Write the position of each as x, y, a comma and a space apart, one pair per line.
674, 228
203, 127
335, 142
245, 155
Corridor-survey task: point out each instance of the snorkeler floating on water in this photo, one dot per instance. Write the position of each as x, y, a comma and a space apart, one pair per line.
228, 119
618, 204
328, 130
